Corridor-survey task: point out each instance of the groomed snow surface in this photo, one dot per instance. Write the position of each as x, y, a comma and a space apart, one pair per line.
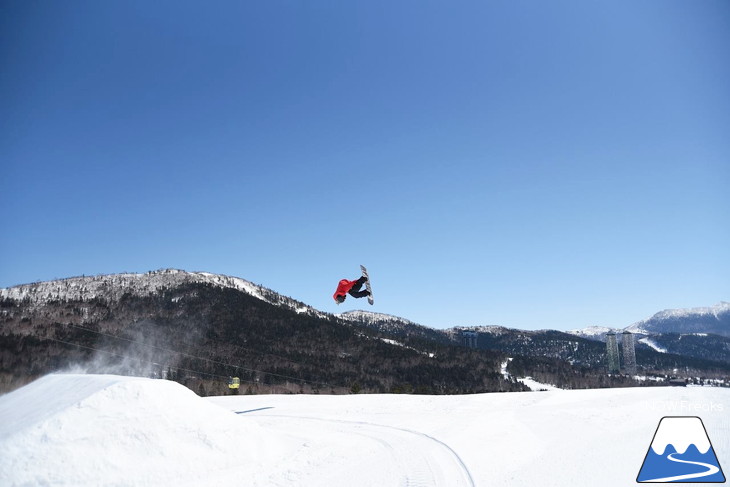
111, 430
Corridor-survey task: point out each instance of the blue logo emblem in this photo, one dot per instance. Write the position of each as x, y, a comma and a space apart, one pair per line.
681, 452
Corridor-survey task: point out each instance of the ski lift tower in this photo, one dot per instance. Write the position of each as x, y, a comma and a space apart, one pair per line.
612, 353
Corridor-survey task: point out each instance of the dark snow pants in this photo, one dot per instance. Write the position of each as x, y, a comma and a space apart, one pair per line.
355, 291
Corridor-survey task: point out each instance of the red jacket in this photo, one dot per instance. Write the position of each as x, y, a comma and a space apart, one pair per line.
342, 288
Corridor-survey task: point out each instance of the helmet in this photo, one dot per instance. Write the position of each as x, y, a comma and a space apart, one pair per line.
340, 299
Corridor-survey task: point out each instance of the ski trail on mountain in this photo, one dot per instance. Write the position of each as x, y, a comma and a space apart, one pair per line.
711, 471
404, 457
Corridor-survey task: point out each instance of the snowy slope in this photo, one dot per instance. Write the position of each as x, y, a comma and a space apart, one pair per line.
651, 343
107, 430
101, 429
561, 438
531, 383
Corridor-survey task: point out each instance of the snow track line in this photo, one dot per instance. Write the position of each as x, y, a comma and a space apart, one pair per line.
422, 474
711, 471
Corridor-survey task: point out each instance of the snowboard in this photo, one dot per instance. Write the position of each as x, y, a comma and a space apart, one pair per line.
367, 284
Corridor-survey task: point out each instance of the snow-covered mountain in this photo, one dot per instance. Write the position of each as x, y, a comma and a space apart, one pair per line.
113, 287
680, 433
201, 328
386, 321
709, 320
713, 320
702, 333
202, 305
488, 329
395, 326
594, 332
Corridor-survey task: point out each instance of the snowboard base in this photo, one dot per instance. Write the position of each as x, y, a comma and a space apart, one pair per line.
367, 284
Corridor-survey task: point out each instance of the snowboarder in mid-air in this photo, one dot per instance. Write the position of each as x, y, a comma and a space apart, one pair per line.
352, 288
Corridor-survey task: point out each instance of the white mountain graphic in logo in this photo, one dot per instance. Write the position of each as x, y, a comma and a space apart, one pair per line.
681, 452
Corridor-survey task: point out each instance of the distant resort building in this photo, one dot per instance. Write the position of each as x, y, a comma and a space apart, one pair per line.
612, 353
469, 338
629, 349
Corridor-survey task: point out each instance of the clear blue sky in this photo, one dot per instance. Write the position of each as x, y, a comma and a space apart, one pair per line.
522, 163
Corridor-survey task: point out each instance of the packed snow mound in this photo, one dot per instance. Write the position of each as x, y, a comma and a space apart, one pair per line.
87, 430
127, 428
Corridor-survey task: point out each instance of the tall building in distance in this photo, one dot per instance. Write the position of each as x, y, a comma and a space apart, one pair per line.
469, 338
612, 353
629, 349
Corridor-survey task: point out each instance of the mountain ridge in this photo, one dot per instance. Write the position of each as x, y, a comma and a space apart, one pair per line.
116, 285
200, 329
714, 320
230, 318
